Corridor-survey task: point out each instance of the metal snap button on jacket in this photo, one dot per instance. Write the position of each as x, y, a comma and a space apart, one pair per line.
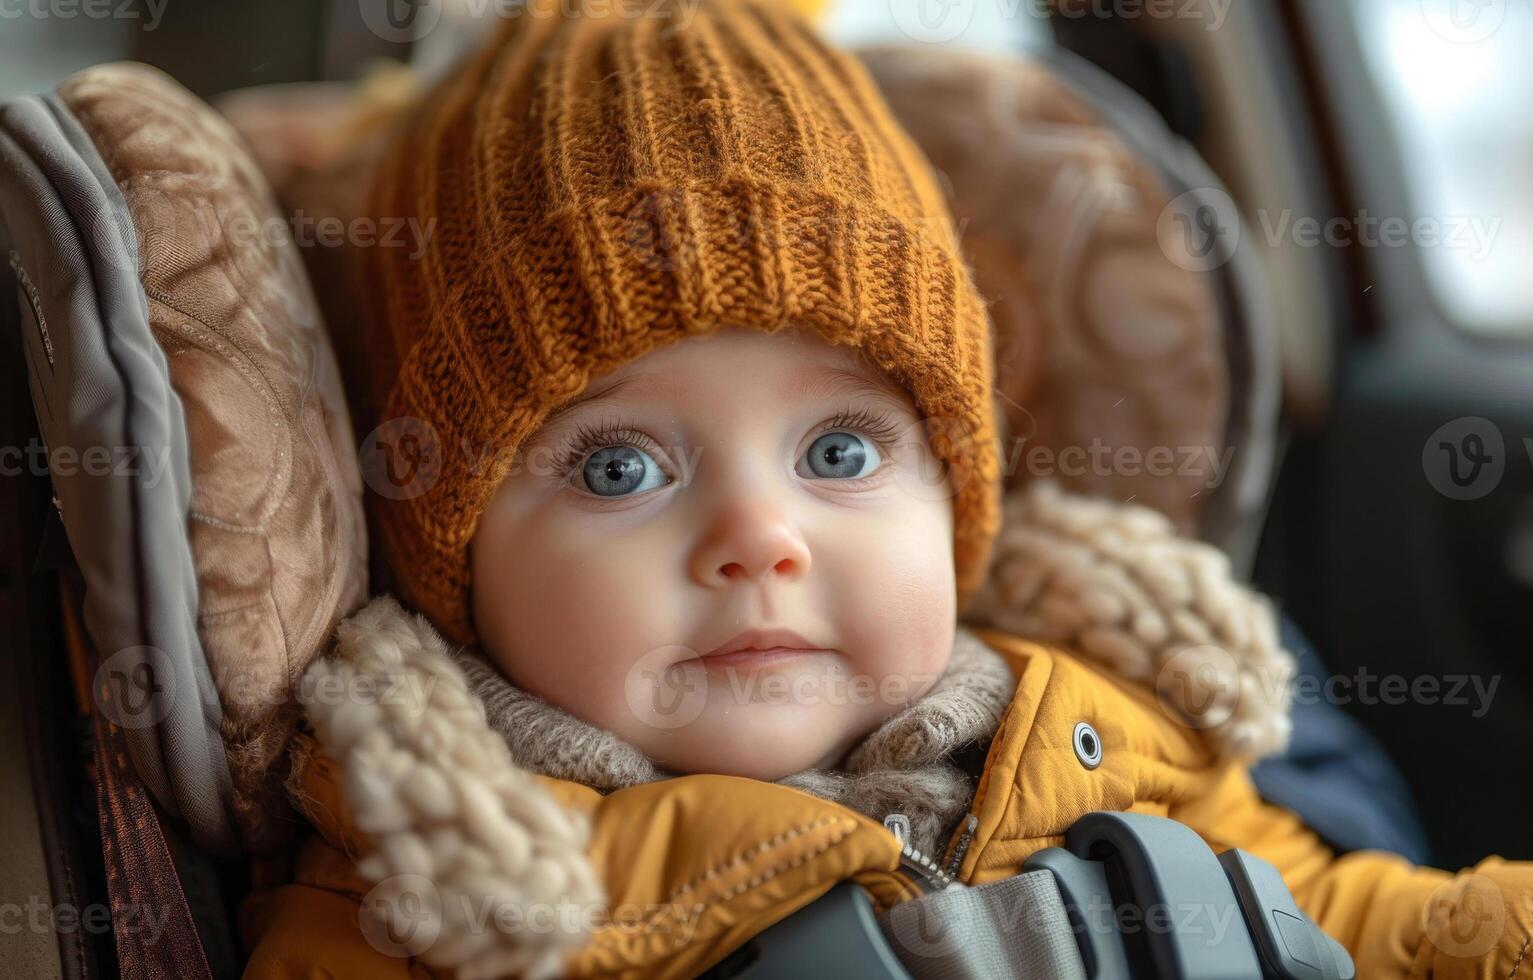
1088, 745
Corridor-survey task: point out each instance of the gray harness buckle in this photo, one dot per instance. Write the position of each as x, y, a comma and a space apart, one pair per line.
1148, 898
1138, 897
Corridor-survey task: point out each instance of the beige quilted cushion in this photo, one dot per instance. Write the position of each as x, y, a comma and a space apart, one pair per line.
276, 524
1099, 336
316, 142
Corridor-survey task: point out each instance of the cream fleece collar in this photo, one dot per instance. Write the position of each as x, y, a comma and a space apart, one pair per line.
1118, 585
454, 823
903, 766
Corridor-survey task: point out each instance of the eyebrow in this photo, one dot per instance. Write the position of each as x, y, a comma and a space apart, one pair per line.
832, 380
824, 380
600, 389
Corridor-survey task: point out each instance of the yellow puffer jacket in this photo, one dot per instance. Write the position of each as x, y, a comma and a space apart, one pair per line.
690, 868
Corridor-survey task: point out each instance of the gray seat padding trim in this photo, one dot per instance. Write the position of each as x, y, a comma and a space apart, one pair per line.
99, 381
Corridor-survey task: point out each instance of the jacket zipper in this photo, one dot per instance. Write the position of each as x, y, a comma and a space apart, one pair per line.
915, 866
970, 825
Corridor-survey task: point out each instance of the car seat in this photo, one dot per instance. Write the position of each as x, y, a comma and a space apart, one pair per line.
163, 313
214, 513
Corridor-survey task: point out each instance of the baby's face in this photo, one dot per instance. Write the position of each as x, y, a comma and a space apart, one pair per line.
774, 492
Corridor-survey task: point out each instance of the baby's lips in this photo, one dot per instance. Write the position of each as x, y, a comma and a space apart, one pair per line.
762, 639
667, 688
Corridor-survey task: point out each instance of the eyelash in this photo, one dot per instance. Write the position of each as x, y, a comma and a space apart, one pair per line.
880, 426
586, 439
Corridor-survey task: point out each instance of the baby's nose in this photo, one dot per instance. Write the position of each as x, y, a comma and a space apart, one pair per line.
751, 541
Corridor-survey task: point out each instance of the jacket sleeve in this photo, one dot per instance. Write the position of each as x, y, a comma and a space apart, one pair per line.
305, 932
1395, 918
312, 928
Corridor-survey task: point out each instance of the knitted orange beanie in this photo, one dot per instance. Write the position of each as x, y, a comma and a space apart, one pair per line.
599, 185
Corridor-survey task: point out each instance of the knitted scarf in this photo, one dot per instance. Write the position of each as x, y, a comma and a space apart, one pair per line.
906, 765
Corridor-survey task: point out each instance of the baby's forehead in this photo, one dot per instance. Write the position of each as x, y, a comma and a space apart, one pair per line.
792, 365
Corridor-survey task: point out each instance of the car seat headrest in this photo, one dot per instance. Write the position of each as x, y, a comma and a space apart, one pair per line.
1110, 343
172, 318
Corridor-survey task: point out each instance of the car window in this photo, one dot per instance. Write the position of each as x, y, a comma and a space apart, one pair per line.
994, 25
1455, 77
38, 51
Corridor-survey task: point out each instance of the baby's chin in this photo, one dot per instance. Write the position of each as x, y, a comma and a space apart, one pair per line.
762, 741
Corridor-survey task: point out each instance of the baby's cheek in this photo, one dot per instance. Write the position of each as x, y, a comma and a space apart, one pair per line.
575, 616
897, 607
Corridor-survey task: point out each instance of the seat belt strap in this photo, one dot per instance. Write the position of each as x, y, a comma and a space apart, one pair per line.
155, 934
1014, 928
1131, 895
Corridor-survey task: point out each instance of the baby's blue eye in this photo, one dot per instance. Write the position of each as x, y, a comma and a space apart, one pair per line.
614, 471
841, 456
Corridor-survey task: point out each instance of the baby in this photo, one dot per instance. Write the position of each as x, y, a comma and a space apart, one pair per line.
703, 387
741, 521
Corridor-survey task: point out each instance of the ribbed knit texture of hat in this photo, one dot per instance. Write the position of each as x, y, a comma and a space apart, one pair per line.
600, 186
